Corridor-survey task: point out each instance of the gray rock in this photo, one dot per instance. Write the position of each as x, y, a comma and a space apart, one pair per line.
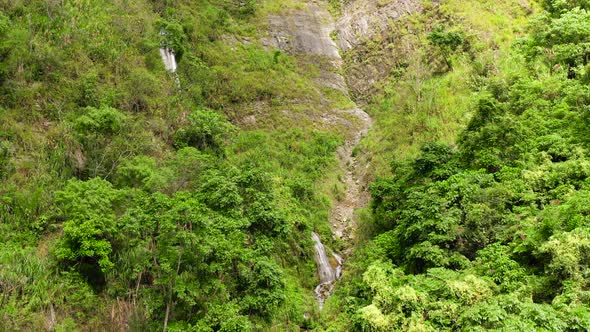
363, 19
303, 31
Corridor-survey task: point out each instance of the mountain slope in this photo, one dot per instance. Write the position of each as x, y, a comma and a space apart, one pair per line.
133, 197
479, 145
138, 199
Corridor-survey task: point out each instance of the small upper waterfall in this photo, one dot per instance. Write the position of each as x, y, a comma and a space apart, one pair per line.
169, 59
328, 274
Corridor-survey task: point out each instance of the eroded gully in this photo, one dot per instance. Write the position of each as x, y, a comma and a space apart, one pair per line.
307, 31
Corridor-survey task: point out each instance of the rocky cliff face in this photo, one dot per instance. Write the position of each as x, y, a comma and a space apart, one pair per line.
303, 31
307, 31
363, 21
310, 30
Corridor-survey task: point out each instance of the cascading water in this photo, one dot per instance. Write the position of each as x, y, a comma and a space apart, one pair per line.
327, 273
169, 59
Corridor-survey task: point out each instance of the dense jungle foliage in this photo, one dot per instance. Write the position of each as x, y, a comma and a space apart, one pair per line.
132, 198
490, 231
135, 199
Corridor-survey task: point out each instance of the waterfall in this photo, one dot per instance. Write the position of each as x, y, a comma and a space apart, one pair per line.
327, 273
169, 59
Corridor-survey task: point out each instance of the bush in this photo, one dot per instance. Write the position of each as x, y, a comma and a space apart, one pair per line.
90, 227
142, 172
561, 6
206, 130
241, 8
104, 120
5, 157
446, 40
105, 138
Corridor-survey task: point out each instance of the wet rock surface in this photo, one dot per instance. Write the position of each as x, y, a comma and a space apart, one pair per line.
327, 271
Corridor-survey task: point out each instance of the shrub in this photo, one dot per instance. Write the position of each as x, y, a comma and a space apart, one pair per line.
206, 130
104, 120
142, 172
447, 40
91, 223
5, 156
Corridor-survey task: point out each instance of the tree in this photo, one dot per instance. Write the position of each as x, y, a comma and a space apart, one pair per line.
446, 42
206, 130
88, 208
102, 134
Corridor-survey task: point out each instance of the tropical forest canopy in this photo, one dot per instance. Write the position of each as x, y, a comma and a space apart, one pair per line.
491, 231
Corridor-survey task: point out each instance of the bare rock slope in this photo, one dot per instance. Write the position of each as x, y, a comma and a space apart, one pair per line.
367, 64
363, 19
303, 31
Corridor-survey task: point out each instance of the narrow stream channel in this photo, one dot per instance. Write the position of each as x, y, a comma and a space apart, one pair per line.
308, 31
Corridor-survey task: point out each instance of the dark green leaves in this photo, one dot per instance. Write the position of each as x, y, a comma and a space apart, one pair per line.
206, 130
90, 226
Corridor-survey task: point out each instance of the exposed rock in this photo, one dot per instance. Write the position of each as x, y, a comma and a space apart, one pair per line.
307, 32
250, 120
362, 19
356, 194
303, 31
79, 159
333, 81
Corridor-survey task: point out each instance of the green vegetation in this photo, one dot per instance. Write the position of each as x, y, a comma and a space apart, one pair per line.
436, 59
130, 203
483, 225
132, 198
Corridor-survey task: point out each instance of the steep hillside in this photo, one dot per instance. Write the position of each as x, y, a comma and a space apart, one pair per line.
134, 198
294, 165
480, 152
418, 71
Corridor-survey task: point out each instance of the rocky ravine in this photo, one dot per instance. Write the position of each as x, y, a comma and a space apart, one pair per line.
307, 32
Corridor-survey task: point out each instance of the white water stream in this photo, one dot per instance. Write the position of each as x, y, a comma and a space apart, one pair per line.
169, 59
327, 272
